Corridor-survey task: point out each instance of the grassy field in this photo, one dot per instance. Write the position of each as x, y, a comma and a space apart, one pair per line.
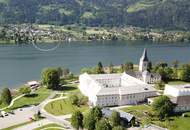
172, 123
139, 111
71, 88
50, 127
36, 98
177, 82
63, 107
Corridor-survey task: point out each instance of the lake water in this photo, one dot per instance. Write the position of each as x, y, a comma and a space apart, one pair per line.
19, 64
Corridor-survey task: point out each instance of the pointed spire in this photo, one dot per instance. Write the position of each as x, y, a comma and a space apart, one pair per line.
144, 56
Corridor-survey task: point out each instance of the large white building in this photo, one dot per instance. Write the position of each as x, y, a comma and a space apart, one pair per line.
114, 89
179, 95
120, 89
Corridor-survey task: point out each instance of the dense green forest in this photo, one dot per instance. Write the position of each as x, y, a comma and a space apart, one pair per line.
167, 14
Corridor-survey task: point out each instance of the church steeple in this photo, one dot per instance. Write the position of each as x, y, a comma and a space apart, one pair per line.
143, 65
144, 56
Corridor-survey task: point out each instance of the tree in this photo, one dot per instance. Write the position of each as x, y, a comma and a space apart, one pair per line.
118, 128
6, 96
100, 68
77, 120
128, 66
184, 72
115, 119
149, 67
122, 68
96, 112
165, 72
50, 78
60, 71
103, 124
89, 122
162, 106
25, 90
160, 85
111, 70
74, 100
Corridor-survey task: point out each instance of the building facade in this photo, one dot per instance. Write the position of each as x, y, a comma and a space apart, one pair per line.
114, 89
179, 95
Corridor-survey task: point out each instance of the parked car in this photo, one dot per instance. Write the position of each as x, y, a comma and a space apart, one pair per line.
4, 113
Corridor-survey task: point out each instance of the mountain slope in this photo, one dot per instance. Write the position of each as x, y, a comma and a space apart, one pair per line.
167, 14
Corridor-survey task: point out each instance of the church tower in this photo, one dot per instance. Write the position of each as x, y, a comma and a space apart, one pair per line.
143, 65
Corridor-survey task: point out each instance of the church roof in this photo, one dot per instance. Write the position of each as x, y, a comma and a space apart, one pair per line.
144, 55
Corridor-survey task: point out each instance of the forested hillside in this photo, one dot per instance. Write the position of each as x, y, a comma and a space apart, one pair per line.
167, 14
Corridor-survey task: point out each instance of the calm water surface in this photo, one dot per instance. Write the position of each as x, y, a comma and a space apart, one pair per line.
19, 64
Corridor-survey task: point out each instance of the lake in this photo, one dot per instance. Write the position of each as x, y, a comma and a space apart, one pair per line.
21, 63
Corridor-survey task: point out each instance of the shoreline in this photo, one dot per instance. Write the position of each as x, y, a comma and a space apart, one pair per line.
91, 41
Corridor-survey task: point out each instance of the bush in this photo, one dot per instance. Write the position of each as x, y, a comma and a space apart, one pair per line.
25, 90
74, 100
78, 99
160, 85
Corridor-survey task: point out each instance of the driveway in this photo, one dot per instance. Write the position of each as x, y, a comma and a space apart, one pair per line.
17, 118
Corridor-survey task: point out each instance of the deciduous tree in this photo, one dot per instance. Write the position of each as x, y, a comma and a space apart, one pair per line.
51, 78
162, 106
77, 120
6, 96
115, 119
103, 124
89, 122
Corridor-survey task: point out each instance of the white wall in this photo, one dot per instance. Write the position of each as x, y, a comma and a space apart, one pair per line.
172, 91
89, 87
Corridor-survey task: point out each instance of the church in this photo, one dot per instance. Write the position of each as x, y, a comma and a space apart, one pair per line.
119, 89
143, 73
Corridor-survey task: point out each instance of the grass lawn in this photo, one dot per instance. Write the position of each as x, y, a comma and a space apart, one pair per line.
173, 123
71, 88
63, 107
35, 99
181, 123
50, 126
177, 82
139, 111
2, 105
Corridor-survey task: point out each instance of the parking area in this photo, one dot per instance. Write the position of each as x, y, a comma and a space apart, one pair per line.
19, 116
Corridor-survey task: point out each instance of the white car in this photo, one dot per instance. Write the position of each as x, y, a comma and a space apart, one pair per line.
3, 113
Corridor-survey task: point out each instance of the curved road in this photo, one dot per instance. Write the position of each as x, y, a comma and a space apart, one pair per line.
61, 120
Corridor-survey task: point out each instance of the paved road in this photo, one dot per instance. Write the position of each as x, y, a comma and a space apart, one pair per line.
42, 104
56, 119
18, 118
52, 119
34, 125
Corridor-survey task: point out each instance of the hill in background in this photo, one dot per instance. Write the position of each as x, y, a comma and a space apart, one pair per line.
166, 14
